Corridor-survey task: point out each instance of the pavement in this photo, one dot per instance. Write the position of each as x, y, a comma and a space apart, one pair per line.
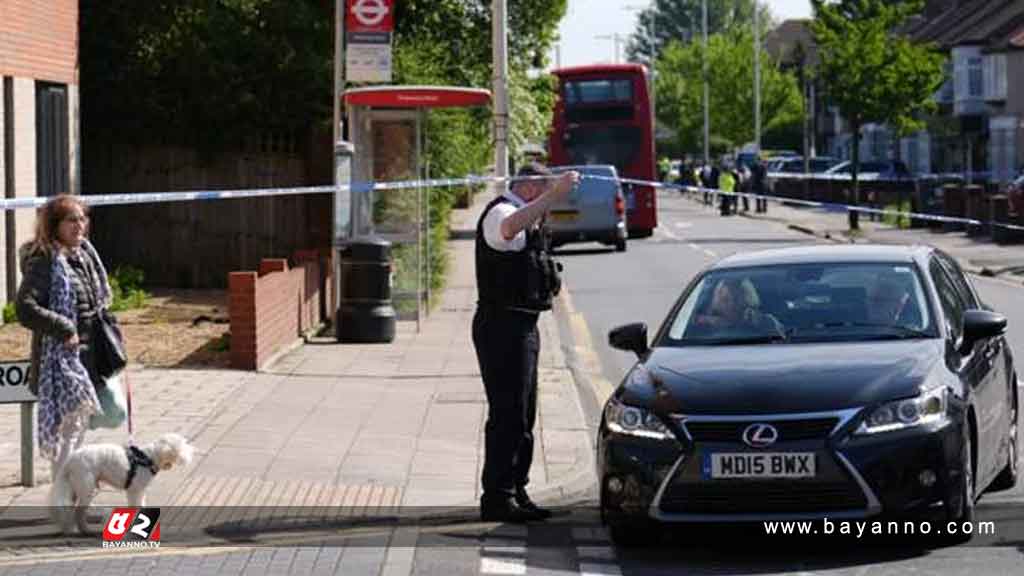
342, 425
977, 254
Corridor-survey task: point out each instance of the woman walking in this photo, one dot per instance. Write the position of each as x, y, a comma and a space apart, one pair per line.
64, 287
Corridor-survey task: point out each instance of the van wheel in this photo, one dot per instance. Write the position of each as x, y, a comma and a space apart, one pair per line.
620, 245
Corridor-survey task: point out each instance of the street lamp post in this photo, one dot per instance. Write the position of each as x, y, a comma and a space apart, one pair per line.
499, 14
617, 38
707, 97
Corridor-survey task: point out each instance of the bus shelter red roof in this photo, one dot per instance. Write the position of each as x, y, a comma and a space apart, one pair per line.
417, 97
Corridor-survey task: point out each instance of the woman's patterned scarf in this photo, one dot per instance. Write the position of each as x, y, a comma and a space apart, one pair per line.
67, 396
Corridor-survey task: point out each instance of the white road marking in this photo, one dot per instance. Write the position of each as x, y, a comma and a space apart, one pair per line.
503, 566
710, 253
506, 550
668, 233
684, 224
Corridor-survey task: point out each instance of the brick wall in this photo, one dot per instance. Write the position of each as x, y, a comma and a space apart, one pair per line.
272, 309
39, 39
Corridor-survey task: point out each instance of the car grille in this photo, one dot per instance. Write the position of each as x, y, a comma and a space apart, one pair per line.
789, 430
761, 498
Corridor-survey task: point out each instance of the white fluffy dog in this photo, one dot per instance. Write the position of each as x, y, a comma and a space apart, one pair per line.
126, 468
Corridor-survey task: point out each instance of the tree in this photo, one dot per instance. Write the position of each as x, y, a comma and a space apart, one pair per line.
871, 73
731, 87
682, 20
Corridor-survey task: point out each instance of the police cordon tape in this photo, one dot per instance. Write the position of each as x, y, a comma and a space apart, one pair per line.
364, 187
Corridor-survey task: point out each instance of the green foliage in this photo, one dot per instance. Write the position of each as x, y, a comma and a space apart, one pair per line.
871, 74
10, 316
126, 289
730, 63
204, 73
681, 20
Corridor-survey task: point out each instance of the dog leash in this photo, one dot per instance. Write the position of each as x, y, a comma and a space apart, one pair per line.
128, 400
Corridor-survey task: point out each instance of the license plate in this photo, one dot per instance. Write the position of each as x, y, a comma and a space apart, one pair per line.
760, 465
563, 216
630, 201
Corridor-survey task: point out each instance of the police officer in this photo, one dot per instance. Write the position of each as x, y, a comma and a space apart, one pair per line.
516, 280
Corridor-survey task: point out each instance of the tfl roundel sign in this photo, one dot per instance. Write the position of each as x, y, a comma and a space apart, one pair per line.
369, 15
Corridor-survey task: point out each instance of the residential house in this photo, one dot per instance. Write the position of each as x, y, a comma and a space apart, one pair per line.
39, 152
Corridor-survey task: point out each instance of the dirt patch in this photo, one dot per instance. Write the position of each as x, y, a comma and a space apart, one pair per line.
177, 328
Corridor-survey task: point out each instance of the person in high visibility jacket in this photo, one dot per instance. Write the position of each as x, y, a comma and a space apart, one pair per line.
727, 182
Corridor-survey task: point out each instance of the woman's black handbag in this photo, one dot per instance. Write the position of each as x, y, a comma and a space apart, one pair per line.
107, 345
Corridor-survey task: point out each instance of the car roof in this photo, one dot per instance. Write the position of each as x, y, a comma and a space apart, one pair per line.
826, 254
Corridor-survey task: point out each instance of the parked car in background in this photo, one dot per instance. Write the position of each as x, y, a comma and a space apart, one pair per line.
1015, 192
795, 165
881, 170
594, 212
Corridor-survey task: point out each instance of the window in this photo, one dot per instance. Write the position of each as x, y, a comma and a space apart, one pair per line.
952, 307
995, 77
967, 293
975, 77
51, 139
804, 303
598, 91
1002, 147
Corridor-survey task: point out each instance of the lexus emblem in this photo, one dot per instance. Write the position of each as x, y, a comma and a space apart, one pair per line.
760, 435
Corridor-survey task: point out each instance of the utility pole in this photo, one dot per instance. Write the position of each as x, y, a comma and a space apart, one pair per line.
757, 81
707, 97
499, 41
339, 61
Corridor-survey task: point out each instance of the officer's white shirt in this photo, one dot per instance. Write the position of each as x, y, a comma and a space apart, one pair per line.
492, 225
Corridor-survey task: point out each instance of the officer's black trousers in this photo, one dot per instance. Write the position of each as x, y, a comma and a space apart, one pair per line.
507, 344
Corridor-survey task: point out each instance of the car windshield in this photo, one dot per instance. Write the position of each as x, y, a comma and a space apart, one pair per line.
804, 303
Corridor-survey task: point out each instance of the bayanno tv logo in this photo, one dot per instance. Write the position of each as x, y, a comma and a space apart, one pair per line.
132, 528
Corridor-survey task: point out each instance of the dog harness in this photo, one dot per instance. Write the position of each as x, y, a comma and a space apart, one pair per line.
137, 459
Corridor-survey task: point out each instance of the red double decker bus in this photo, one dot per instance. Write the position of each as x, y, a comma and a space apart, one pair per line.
603, 116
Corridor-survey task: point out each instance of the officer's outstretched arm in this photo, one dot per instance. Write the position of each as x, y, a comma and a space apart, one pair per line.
526, 216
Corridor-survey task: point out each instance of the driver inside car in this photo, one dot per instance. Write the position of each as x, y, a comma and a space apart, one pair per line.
733, 306
890, 302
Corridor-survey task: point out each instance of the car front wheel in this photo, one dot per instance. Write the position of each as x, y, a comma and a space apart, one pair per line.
1007, 478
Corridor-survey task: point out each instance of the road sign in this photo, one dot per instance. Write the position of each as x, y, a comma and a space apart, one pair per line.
14, 383
370, 16
368, 28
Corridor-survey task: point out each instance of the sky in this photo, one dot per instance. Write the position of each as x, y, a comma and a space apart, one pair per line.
586, 19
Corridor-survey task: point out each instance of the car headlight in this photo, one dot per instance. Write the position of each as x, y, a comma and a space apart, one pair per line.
928, 408
634, 421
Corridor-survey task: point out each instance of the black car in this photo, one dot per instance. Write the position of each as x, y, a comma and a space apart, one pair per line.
838, 382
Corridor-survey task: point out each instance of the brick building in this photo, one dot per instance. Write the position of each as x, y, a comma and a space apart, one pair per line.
39, 121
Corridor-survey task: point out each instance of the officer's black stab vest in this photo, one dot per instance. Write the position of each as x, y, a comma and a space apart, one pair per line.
526, 279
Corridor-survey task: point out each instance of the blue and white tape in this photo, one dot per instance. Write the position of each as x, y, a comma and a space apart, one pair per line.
470, 180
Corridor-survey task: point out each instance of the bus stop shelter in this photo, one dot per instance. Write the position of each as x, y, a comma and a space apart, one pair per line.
386, 142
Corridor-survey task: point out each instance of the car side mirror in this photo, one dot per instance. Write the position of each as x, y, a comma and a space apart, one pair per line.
630, 337
979, 325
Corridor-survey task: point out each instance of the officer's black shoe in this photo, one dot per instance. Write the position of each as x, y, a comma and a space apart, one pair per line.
506, 511
524, 502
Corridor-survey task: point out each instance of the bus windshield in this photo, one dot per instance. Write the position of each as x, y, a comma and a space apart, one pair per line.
579, 92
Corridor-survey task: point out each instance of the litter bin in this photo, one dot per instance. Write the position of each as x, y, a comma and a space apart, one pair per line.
365, 313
